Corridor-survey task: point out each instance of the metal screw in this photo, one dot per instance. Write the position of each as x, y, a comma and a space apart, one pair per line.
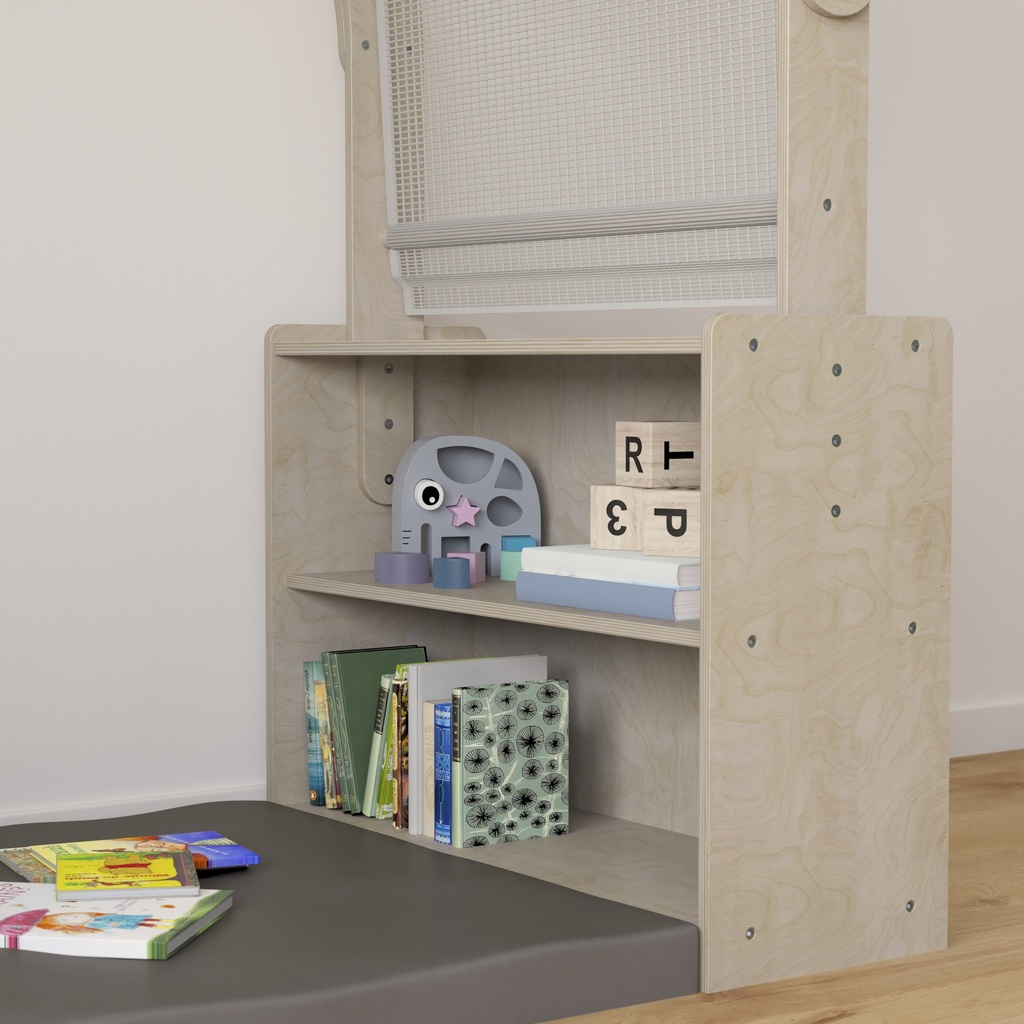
366, 44
915, 345
389, 368
836, 511
389, 479
751, 640
827, 205
753, 344
913, 627
750, 933
388, 424
910, 906
836, 440
836, 370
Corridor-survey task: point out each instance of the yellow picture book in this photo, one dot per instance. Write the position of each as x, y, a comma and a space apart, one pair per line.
101, 874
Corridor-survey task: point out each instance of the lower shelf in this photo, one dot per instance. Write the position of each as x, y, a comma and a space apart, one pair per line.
649, 868
496, 599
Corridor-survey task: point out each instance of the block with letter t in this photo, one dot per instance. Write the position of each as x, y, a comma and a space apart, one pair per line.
657, 454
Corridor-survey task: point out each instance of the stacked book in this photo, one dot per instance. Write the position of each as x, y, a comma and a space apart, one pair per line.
135, 898
625, 582
470, 751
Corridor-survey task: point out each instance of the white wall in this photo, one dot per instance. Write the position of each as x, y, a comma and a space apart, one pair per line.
946, 224
171, 185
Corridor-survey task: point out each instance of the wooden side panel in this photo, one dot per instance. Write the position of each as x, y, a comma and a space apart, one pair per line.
376, 307
825, 644
823, 111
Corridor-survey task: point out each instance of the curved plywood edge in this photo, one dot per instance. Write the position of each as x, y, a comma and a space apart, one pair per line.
836, 8
823, 111
825, 654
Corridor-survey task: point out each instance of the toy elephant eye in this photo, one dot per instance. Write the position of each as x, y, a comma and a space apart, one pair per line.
428, 494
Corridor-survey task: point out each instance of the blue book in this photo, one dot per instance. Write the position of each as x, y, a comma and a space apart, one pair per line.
443, 773
671, 603
314, 760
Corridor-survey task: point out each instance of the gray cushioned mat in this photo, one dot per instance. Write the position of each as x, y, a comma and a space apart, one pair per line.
339, 924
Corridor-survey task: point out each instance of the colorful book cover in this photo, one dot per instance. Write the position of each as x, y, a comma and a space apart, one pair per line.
443, 773
336, 714
375, 762
33, 917
115, 875
400, 752
332, 785
314, 763
510, 762
357, 677
210, 851
386, 791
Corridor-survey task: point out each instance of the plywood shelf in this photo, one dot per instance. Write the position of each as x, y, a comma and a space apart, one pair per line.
497, 600
650, 868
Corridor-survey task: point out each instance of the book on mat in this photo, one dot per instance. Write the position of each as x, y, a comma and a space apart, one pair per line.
672, 604
354, 688
623, 566
435, 680
210, 851
33, 917
510, 762
101, 876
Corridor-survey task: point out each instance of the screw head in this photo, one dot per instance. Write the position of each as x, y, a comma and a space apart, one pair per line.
836, 511
753, 344
750, 933
836, 440
915, 345
912, 627
388, 424
836, 370
389, 479
827, 205
751, 640
365, 44
910, 906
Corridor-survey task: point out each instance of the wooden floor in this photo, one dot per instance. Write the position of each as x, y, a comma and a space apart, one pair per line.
979, 979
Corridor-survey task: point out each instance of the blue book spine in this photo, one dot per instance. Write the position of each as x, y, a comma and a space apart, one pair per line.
443, 773
313, 757
609, 595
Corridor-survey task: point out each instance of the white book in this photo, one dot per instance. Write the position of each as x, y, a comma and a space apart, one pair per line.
435, 680
614, 566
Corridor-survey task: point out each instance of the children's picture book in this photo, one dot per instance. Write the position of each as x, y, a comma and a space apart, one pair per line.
101, 876
311, 671
33, 917
442, 772
510, 762
378, 747
210, 851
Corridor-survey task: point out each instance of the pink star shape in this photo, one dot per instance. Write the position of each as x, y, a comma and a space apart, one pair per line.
463, 512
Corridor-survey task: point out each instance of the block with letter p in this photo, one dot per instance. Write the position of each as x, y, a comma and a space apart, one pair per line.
670, 523
657, 454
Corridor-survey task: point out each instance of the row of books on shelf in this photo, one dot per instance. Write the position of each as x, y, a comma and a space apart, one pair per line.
625, 582
135, 898
470, 751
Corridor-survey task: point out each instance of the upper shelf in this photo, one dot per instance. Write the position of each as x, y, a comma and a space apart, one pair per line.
495, 599
333, 340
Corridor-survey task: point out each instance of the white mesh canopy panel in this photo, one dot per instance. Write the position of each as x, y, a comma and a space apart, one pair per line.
567, 154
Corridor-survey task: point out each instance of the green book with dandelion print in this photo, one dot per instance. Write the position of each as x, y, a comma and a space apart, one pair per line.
510, 762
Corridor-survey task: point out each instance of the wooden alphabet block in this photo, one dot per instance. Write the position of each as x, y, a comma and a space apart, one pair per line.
657, 454
615, 517
670, 523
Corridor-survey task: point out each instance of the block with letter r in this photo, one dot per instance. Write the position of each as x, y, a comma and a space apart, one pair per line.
657, 454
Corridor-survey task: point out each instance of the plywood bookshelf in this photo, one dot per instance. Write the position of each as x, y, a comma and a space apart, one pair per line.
775, 773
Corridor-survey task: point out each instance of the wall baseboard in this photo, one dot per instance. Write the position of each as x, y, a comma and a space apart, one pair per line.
139, 805
986, 730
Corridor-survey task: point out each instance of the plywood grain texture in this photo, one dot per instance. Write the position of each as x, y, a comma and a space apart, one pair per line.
825, 644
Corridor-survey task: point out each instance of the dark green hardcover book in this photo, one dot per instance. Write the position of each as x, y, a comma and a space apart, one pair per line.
358, 685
